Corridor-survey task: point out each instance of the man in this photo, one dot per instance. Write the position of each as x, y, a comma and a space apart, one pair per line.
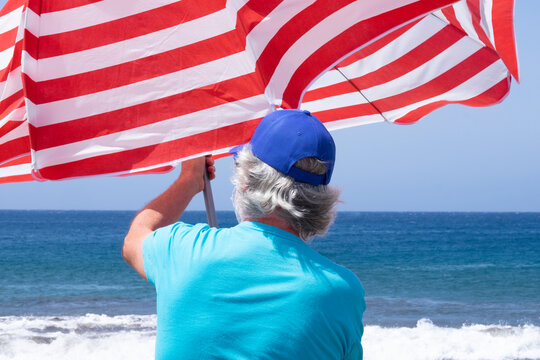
257, 290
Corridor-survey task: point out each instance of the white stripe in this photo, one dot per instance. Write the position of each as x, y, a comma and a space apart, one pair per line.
355, 121
323, 32
21, 30
5, 57
129, 50
11, 20
463, 15
22, 169
12, 84
88, 15
438, 65
163, 131
397, 48
235, 4
263, 33
15, 115
486, 9
474, 86
139, 92
439, 14
333, 102
329, 78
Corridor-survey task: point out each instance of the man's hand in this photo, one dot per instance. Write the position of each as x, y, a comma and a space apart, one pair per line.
193, 171
166, 209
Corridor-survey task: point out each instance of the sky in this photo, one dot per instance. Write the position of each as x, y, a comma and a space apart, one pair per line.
456, 159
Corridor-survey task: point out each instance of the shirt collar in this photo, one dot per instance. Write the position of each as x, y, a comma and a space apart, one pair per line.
270, 229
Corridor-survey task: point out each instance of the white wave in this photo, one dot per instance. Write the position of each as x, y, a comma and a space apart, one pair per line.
78, 337
427, 341
133, 337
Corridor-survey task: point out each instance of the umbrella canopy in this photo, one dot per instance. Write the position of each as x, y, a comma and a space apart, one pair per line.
126, 87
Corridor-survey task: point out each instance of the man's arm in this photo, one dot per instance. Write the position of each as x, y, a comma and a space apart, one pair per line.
166, 209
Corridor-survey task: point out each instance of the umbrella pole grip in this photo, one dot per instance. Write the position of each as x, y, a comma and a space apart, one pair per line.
209, 202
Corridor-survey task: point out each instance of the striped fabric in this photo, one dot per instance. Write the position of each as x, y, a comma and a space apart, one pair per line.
463, 54
124, 87
14, 137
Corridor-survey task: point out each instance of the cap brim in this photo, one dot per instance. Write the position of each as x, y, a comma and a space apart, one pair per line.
236, 149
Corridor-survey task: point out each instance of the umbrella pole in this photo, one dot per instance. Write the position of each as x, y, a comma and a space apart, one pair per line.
209, 202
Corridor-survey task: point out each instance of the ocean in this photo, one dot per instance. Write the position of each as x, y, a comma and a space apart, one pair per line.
438, 285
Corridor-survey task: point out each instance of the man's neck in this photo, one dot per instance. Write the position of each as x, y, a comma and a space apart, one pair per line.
276, 221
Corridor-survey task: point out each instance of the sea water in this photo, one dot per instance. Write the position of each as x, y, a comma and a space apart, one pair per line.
438, 285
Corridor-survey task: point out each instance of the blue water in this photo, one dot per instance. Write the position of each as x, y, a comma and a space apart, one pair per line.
452, 268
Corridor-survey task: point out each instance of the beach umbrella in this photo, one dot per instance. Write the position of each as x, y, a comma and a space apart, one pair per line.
118, 87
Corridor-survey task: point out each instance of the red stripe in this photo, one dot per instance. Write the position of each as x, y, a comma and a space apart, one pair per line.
42, 7
340, 88
377, 45
11, 103
289, 33
14, 148
10, 6
492, 96
7, 39
125, 28
37, 177
147, 113
474, 10
16, 178
24, 159
219, 156
30, 43
418, 56
8, 127
442, 83
346, 112
252, 13
450, 15
146, 68
154, 154
503, 32
347, 41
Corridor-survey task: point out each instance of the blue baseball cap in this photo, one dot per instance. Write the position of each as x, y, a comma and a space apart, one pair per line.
285, 136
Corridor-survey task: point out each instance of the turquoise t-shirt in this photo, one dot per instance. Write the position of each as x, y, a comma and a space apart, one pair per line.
253, 291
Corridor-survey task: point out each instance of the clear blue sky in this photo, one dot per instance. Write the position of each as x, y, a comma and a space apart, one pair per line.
456, 159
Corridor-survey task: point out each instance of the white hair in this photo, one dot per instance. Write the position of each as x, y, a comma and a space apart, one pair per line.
261, 190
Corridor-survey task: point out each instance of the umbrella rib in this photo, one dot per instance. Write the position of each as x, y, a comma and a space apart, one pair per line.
357, 89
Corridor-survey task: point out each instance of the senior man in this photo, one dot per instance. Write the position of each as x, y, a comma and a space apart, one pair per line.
256, 290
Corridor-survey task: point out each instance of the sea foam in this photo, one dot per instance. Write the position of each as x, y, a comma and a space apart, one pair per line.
427, 341
133, 337
78, 337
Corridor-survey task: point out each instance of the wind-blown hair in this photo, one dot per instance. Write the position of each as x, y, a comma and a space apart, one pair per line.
261, 190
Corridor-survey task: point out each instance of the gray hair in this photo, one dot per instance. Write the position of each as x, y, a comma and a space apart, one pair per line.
261, 190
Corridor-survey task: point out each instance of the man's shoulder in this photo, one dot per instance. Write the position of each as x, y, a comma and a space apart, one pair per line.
179, 235
343, 281
334, 284
181, 230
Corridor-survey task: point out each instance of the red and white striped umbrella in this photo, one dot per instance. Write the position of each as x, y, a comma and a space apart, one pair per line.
125, 87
